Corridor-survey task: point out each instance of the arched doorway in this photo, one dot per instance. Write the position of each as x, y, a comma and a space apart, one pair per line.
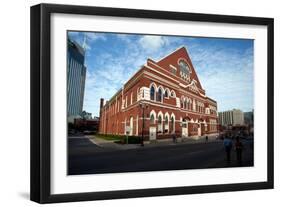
152, 127
184, 130
200, 127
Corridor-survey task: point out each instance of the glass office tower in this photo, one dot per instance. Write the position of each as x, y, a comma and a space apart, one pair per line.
76, 75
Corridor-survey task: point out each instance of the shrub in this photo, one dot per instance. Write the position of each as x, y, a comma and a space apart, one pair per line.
121, 139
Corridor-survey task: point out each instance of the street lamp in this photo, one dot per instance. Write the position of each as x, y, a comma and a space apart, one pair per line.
143, 106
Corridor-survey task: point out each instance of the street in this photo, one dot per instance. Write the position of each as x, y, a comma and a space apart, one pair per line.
87, 158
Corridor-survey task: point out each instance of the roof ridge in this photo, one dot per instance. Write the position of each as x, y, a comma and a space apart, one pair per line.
174, 51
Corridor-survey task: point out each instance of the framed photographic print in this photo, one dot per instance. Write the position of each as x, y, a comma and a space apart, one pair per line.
132, 103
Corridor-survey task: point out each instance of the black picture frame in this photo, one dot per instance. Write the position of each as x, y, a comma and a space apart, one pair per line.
41, 95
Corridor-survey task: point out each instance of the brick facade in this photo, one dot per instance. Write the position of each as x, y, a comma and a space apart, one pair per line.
166, 96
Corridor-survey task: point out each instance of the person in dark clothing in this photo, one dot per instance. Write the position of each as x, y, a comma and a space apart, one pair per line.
227, 142
238, 148
174, 138
207, 138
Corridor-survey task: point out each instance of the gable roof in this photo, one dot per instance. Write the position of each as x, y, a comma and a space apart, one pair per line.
174, 57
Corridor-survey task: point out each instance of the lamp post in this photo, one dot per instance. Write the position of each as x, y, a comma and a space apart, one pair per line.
143, 107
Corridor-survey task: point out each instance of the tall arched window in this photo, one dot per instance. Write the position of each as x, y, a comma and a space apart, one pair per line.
152, 119
166, 94
166, 124
159, 95
131, 125
159, 119
194, 106
160, 128
152, 93
173, 124
166, 120
189, 104
173, 94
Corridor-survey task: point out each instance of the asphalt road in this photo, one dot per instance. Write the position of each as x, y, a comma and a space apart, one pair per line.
87, 158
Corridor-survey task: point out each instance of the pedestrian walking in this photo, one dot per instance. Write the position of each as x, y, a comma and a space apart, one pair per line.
238, 149
206, 138
174, 138
227, 142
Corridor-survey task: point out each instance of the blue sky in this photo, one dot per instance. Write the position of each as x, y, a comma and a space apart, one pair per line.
224, 66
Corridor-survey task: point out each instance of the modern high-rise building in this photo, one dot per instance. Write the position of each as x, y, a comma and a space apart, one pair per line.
76, 75
233, 117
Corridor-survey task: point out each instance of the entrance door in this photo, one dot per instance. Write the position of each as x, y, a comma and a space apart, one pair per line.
184, 132
184, 129
152, 133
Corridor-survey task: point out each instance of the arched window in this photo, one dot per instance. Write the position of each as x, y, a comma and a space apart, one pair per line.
152, 119
166, 120
159, 119
159, 95
184, 68
173, 124
173, 94
166, 94
185, 104
152, 93
184, 123
131, 125
194, 105
190, 104
160, 128
167, 123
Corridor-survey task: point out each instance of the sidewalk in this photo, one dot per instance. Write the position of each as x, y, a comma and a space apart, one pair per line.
110, 144
182, 141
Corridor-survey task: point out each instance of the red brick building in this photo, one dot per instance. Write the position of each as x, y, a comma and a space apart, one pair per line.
160, 99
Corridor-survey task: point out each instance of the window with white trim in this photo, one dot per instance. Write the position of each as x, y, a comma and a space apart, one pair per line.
159, 95
152, 93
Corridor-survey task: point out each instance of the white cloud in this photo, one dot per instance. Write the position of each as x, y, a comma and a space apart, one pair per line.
227, 76
87, 38
92, 36
98, 86
152, 43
